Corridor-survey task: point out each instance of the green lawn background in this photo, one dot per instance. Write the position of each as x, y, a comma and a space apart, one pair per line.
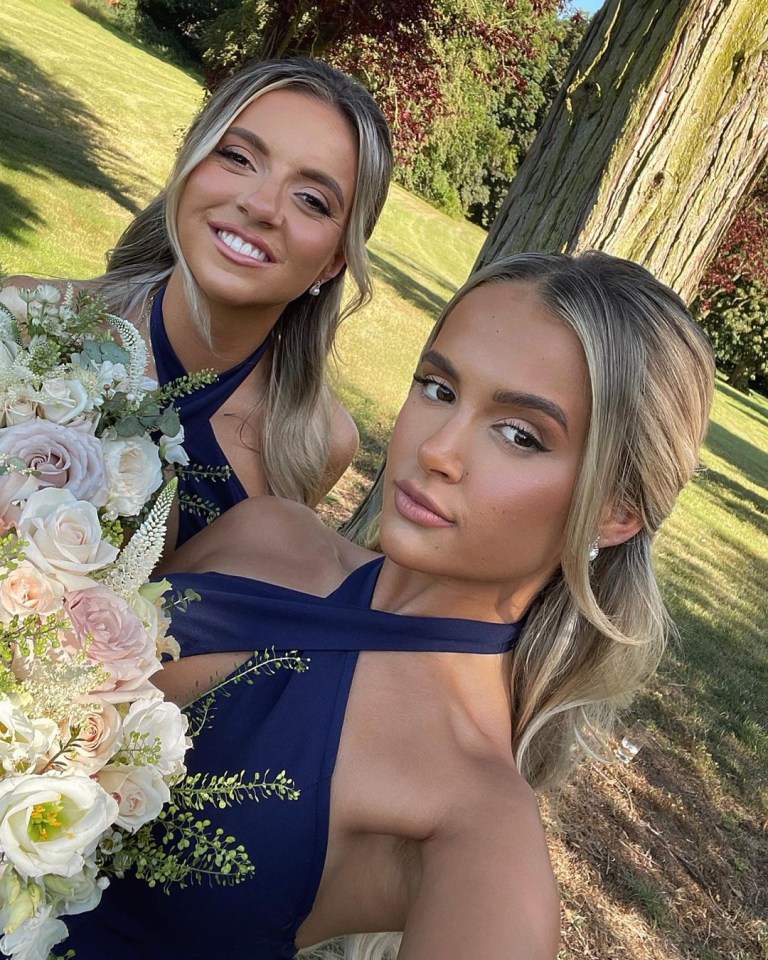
88, 129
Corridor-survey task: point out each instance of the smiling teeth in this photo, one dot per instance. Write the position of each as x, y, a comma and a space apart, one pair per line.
241, 246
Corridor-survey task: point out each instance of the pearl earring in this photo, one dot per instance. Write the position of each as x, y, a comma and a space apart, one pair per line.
594, 549
314, 290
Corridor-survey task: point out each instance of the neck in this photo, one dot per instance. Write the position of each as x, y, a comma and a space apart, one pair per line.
235, 331
412, 593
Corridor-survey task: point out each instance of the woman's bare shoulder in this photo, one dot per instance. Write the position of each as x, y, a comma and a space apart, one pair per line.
25, 282
486, 884
268, 538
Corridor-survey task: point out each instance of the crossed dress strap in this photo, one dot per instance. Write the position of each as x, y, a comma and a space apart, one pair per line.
200, 443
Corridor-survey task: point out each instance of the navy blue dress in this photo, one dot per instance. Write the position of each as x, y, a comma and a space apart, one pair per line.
196, 411
289, 721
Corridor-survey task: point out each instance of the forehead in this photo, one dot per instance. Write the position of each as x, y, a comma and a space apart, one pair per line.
503, 337
299, 117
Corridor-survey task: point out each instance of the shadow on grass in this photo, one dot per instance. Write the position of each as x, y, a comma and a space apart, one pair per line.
46, 131
409, 289
743, 399
744, 456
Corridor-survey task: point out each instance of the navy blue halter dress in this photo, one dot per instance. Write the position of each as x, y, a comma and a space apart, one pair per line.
288, 721
200, 441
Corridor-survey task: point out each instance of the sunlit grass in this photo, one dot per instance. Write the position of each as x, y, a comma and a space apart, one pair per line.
88, 128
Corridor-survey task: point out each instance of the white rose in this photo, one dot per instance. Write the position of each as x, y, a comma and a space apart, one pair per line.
23, 741
95, 741
171, 449
26, 591
77, 894
35, 938
62, 401
13, 302
151, 720
140, 793
134, 472
49, 823
61, 457
64, 537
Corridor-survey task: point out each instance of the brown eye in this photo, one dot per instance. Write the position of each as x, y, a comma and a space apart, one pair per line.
435, 389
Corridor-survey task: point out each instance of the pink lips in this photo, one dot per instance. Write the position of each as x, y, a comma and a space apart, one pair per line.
415, 506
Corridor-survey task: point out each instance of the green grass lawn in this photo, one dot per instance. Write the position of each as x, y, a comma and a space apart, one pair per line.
88, 128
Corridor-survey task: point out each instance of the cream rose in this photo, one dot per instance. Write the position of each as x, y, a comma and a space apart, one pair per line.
134, 472
140, 793
62, 457
95, 742
26, 592
150, 720
62, 401
51, 822
20, 406
14, 488
24, 742
64, 537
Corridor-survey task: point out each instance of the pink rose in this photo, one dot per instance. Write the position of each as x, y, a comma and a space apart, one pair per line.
116, 639
64, 458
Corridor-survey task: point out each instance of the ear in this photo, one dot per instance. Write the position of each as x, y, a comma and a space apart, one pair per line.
619, 525
334, 267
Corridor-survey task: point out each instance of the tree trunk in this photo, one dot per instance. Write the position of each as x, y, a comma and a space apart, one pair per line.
658, 133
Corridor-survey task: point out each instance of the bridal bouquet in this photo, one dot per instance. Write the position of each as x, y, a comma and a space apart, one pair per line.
89, 750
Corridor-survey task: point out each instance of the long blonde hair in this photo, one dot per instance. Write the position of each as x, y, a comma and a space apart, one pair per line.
598, 628
298, 399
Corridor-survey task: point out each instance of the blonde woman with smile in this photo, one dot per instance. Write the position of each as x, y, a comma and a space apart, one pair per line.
555, 414
238, 266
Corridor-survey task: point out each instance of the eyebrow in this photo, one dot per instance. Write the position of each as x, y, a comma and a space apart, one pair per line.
310, 173
507, 398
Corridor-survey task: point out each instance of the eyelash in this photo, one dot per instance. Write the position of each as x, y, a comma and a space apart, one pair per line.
532, 443
316, 204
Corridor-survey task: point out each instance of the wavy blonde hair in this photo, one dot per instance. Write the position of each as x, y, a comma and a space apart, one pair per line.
597, 629
298, 398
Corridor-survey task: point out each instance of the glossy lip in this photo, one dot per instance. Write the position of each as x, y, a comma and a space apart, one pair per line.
417, 507
248, 237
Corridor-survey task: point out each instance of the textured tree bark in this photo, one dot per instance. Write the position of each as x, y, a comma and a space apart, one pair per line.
658, 133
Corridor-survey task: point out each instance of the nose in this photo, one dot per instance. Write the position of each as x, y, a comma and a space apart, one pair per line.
262, 202
445, 451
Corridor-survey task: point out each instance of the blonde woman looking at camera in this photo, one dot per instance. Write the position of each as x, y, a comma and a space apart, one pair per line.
555, 414
239, 265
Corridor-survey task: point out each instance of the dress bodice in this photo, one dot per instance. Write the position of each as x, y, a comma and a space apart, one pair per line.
289, 721
199, 492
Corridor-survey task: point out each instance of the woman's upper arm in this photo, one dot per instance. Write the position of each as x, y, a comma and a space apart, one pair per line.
486, 890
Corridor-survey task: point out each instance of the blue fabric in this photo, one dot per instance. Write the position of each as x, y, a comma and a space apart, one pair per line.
195, 411
288, 721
